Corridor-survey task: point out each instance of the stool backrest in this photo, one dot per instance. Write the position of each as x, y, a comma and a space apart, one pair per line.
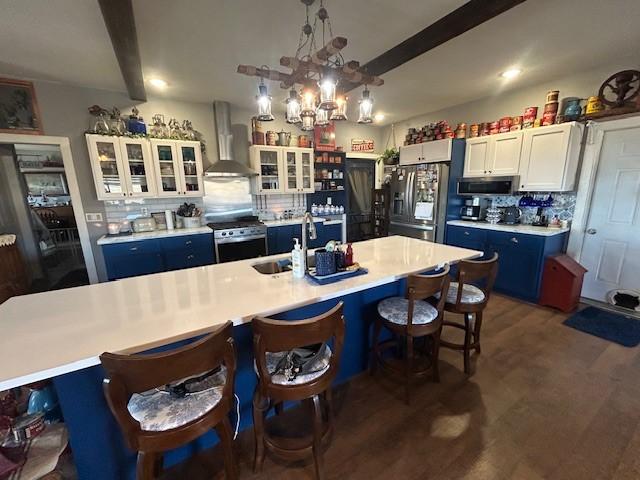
420, 287
481, 273
283, 335
129, 374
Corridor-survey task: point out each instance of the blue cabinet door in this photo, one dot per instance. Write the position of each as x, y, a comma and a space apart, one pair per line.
188, 251
272, 240
333, 232
131, 259
519, 263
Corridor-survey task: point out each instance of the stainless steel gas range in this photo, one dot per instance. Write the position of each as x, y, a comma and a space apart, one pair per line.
239, 240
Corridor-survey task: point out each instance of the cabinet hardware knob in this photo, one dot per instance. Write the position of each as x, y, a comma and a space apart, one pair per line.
188, 242
592, 231
466, 233
514, 240
189, 257
133, 249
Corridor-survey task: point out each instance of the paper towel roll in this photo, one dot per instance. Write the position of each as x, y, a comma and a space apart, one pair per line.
168, 215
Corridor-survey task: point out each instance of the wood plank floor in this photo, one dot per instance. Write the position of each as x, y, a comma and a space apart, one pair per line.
545, 402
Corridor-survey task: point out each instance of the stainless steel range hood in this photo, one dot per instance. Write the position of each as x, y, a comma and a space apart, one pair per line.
226, 166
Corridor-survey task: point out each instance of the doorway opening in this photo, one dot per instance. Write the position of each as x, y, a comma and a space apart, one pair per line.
36, 207
360, 183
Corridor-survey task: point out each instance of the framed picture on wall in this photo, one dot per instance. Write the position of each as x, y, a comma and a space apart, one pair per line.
53, 184
19, 111
325, 137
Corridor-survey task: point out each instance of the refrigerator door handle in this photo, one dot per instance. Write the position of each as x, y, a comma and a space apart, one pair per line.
411, 190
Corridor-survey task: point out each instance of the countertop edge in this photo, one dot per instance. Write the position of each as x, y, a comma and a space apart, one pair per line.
520, 228
138, 237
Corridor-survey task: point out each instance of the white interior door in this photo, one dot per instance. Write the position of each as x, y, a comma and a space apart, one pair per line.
611, 249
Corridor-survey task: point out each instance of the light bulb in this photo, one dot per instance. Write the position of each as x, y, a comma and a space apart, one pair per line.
264, 104
328, 93
365, 107
340, 112
308, 104
293, 108
307, 123
322, 117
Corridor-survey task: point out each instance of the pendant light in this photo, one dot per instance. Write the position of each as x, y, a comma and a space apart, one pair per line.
327, 93
264, 103
366, 107
322, 117
308, 104
307, 123
340, 112
293, 107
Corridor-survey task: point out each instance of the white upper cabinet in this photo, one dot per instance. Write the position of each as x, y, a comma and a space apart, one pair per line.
550, 157
428, 152
178, 167
494, 155
282, 169
191, 170
122, 167
475, 157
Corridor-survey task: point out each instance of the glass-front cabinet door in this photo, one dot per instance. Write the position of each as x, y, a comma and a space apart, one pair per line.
306, 171
138, 167
267, 162
107, 167
292, 183
167, 167
190, 159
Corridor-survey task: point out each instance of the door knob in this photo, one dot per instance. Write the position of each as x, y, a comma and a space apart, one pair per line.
592, 231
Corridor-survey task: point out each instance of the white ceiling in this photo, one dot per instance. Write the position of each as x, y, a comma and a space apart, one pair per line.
197, 45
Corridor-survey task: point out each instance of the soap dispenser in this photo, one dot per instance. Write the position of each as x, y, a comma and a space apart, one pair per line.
297, 261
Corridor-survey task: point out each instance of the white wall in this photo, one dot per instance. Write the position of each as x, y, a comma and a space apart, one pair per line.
511, 103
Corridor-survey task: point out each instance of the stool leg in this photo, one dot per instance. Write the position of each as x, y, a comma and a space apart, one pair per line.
373, 367
467, 343
435, 355
146, 465
258, 432
476, 330
226, 439
317, 438
328, 396
409, 372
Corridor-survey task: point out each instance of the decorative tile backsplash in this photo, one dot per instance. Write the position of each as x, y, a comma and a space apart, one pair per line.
563, 206
120, 210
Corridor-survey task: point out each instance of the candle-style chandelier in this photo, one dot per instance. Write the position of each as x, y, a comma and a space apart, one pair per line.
318, 78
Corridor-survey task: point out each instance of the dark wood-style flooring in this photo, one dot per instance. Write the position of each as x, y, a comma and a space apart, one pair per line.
545, 402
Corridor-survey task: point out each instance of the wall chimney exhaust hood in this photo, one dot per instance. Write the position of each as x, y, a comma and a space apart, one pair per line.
226, 166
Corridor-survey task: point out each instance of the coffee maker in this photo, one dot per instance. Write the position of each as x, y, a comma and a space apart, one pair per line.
473, 209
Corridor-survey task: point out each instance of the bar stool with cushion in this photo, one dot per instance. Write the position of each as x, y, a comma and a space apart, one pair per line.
272, 340
417, 315
469, 296
155, 418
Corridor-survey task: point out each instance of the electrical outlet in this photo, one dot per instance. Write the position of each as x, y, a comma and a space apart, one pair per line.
328, 200
93, 217
144, 211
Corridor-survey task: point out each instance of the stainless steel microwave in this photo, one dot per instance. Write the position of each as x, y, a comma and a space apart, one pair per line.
480, 186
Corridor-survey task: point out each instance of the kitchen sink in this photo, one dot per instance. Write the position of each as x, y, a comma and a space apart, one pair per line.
279, 266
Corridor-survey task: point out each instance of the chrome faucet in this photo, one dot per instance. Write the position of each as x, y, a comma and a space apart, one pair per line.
307, 218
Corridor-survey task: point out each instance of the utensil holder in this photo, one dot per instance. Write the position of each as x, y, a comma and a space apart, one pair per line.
325, 262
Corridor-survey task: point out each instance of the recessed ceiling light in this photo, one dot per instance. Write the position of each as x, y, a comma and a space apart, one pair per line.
158, 83
379, 117
511, 73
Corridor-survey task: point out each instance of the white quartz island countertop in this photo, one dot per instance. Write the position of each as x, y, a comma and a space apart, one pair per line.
52, 333
518, 228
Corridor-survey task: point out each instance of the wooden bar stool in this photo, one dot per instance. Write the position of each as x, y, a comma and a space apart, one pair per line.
409, 318
469, 296
272, 341
165, 400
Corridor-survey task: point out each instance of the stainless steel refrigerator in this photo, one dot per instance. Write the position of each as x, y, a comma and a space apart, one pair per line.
413, 186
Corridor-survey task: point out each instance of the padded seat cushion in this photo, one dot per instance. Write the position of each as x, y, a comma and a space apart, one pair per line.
157, 411
470, 294
321, 365
395, 310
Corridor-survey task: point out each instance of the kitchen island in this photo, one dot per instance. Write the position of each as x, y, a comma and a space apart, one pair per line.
67, 330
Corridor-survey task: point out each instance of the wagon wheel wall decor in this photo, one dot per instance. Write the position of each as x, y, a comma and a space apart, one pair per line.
623, 86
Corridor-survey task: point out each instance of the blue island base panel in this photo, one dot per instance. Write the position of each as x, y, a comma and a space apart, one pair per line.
99, 449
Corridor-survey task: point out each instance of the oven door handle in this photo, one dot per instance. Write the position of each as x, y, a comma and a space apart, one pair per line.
246, 238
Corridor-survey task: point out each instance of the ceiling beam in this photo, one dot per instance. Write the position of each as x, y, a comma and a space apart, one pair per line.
464, 18
121, 25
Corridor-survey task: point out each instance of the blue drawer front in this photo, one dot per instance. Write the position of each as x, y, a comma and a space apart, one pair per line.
198, 242
132, 248
131, 259
472, 238
180, 259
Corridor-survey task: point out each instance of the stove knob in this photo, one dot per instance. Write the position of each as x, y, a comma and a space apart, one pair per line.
224, 234
241, 232
230, 233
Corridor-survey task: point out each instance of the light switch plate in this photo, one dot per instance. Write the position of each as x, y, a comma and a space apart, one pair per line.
93, 217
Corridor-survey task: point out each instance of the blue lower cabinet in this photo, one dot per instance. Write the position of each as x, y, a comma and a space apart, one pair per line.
280, 238
521, 256
131, 259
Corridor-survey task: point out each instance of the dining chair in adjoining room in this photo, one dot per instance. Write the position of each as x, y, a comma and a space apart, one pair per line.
469, 296
281, 348
417, 315
165, 400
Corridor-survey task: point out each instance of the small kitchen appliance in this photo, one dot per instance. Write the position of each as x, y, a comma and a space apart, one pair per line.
511, 215
473, 209
488, 186
144, 224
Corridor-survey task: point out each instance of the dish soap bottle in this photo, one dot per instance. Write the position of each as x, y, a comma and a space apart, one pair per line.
348, 258
297, 262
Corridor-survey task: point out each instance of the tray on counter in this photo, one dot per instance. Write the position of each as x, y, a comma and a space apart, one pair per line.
335, 277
